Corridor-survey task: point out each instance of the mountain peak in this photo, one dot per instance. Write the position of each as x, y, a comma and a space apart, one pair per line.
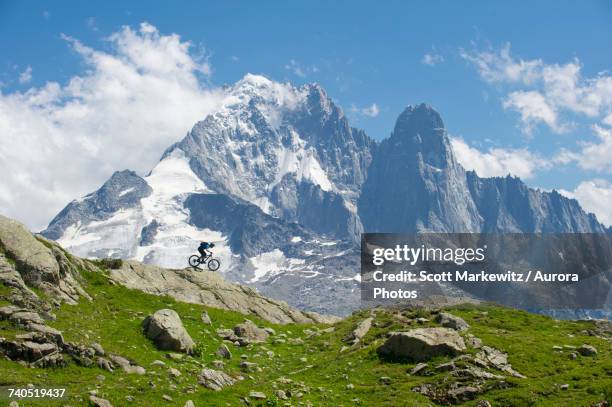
421, 119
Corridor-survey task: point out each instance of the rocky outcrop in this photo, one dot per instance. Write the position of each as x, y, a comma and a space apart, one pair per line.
27, 260
166, 330
209, 289
422, 344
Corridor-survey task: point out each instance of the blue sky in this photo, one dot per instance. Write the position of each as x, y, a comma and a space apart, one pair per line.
494, 70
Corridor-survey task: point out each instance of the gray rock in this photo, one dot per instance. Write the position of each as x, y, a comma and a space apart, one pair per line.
386, 380
189, 403
98, 349
174, 372
464, 393
127, 366
215, 380
451, 321
105, 364
422, 344
99, 402
166, 330
211, 290
418, 368
257, 395
361, 330
248, 366
224, 352
251, 332
205, 318
587, 350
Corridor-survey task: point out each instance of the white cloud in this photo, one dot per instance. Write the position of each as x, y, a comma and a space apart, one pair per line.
595, 196
26, 76
431, 59
548, 90
301, 70
370, 111
60, 141
533, 108
498, 162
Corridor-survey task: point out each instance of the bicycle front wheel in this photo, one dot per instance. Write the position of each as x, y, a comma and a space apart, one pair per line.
214, 264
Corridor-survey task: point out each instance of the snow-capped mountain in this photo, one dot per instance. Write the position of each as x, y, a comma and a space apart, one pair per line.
284, 186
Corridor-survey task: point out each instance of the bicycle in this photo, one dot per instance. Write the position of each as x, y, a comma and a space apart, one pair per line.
213, 264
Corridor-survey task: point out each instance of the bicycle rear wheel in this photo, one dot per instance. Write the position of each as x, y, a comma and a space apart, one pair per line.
214, 264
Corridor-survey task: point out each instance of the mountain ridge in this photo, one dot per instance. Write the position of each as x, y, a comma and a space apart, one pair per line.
291, 153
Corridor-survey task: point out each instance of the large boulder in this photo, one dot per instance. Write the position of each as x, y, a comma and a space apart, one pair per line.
452, 321
35, 260
422, 344
166, 330
28, 260
250, 332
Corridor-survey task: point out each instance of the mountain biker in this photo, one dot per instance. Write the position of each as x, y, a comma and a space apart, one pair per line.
203, 249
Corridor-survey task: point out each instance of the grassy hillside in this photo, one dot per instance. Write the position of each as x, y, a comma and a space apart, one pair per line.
309, 365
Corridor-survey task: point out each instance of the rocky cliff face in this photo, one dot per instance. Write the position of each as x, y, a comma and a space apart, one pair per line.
415, 183
284, 186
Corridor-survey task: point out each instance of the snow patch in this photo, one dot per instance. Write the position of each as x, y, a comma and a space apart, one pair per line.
270, 262
126, 191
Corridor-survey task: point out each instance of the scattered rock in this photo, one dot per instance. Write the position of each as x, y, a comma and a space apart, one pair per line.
281, 395
386, 380
99, 402
98, 349
105, 364
483, 403
257, 395
418, 368
158, 363
350, 386
473, 342
564, 387
224, 352
215, 379
174, 372
270, 331
489, 356
166, 330
248, 366
189, 403
464, 393
218, 364
573, 356
166, 397
422, 344
127, 366
251, 332
451, 321
587, 350
360, 331
206, 318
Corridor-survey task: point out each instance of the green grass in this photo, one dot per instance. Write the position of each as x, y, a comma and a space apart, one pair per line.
114, 320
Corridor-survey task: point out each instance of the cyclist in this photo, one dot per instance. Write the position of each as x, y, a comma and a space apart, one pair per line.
203, 249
